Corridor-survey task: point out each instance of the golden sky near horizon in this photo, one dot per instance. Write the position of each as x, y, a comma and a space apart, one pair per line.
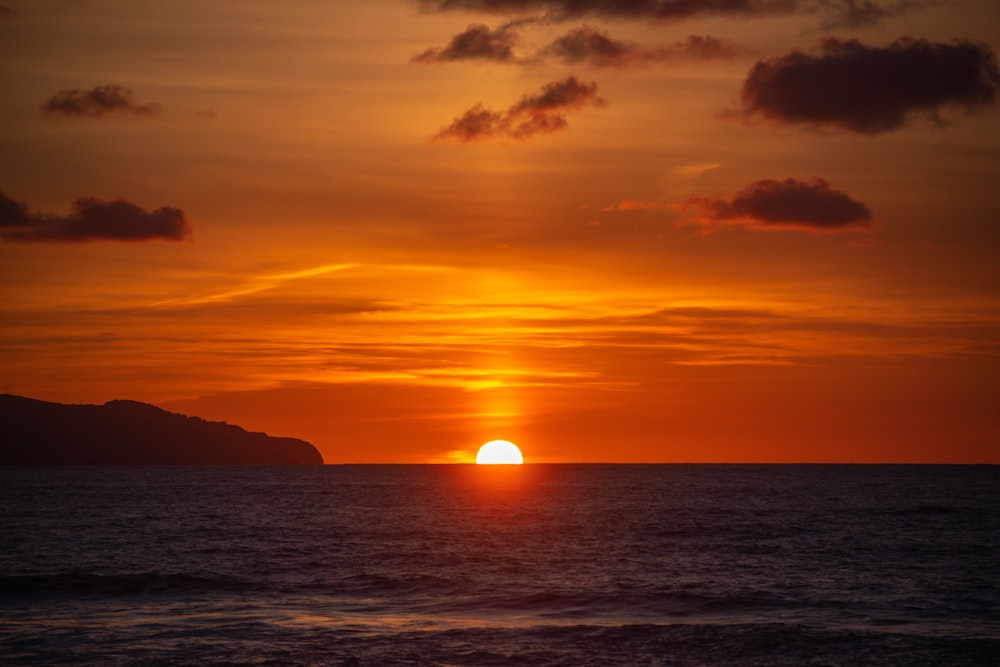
401, 228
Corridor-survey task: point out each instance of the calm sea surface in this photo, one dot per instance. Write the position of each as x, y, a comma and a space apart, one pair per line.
538, 565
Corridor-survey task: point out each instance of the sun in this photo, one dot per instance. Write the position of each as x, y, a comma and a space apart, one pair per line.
499, 451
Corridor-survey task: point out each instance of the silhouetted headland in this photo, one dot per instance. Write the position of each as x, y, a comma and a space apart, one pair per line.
34, 432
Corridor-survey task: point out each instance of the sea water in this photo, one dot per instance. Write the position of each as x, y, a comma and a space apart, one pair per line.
501, 565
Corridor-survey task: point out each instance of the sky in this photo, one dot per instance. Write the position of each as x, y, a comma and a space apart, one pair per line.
632, 231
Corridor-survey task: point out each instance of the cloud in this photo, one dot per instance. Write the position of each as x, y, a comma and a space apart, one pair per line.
477, 42
636, 205
627, 9
694, 169
862, 13
13, 212
111, 98
541, 113
770, 204
704, 47
585, 45
269, 281
581, 46
870, 89
91, 220
839, 13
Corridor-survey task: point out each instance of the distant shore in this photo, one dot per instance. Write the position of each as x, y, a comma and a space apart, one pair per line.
125, 432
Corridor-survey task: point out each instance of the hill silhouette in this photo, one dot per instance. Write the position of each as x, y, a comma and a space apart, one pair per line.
34, 432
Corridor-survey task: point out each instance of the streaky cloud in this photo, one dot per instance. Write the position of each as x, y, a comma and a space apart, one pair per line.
623, 9
261, 283
870, 89
583, 45
99, 101
540, 113
90, 220
837, 13
588, 46
636, 205
788, 204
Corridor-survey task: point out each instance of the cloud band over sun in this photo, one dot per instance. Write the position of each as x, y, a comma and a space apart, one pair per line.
99, 101
541, 113
789, 204
91, 220
869, 89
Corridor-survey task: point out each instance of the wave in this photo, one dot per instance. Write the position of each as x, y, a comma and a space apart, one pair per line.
930, 510
723, 645
681, 645
435, 597
89, 584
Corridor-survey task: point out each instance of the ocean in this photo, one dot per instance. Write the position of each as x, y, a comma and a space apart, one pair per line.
575, 565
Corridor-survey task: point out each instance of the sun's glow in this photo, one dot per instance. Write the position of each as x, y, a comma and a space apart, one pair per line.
499, 451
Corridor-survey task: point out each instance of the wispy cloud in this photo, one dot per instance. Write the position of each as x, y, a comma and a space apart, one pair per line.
99, 101
695, 169
540, 113
252, 285
870, 89
636, 205
91, 219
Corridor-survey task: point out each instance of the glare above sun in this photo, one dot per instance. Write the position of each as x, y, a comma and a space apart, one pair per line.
499, 451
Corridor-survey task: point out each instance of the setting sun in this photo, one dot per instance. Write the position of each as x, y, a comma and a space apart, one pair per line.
499, 451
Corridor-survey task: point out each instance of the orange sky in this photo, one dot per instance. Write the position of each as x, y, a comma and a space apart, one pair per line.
635, 234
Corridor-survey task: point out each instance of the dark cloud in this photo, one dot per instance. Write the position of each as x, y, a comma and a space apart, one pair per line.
99, 101
593, 47
871, 89
837, 13
585, 45
12, 212
862, 13
91, 220
581, 46
626, 9
477, 42
541, 113
566, 94
705, 47
810, 205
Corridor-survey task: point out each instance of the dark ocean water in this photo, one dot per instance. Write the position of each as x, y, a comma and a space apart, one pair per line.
537, 565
